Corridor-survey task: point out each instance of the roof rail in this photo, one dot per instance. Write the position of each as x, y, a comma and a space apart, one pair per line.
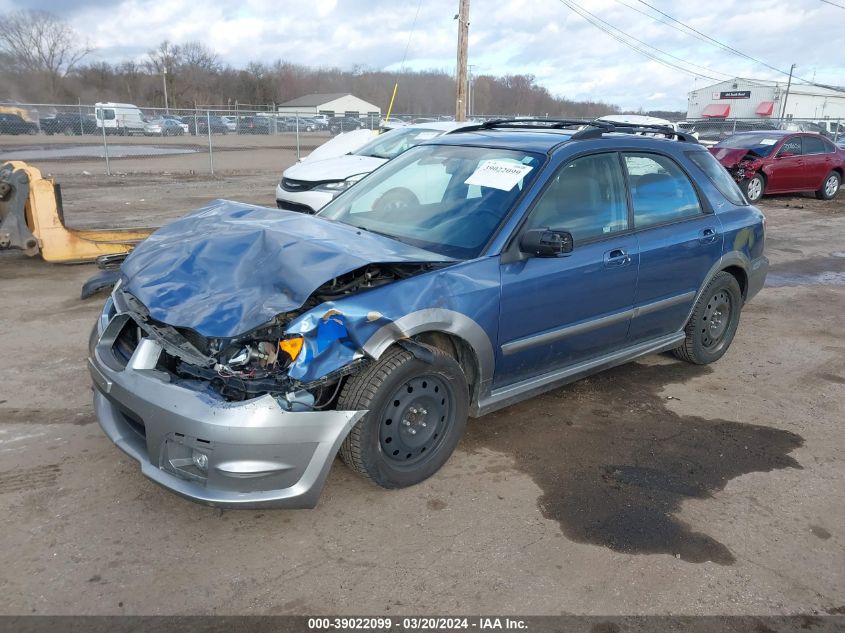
528, 122
635, 128
589, 128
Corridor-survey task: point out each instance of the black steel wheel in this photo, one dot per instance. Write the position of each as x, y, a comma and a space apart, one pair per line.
417, 412
714, 321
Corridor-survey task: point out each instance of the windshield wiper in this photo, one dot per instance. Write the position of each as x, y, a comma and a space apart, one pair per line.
387, 235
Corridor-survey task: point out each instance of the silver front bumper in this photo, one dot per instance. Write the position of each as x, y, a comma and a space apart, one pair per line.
258, 454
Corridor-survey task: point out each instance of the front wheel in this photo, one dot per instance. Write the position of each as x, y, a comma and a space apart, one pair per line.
417, 412
830, 187
715, 318
754, 187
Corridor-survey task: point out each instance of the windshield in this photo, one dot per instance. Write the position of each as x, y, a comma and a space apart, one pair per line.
761, 144
391, 144
443, 198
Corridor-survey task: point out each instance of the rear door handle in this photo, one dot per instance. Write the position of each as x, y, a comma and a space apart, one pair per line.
616, 257
708, 236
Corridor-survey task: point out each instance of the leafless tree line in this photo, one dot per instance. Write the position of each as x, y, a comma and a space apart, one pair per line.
41, 61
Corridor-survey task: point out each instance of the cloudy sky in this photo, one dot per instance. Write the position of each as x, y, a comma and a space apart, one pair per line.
546, 38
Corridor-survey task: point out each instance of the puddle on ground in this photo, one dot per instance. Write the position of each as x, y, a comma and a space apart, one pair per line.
60, 152
815, 271
615, 464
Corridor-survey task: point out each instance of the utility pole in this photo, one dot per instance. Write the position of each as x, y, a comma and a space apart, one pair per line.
164, 83
786, 97
463, 36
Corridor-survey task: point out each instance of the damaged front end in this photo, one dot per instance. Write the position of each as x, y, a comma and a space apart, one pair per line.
219, 357
741, 163
300, 366
746, 168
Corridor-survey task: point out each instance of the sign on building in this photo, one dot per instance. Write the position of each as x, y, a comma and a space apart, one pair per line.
735, 94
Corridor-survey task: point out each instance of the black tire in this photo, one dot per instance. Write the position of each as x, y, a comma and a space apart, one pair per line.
754, 187
714, 321
830, 186
417, 412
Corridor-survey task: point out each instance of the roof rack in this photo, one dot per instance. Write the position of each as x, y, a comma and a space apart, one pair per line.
593, 128
596, 129
555, 124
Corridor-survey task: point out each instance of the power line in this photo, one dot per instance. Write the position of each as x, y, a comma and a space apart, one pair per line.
410, 35
834, 4
716, 42
691, 31
620, 36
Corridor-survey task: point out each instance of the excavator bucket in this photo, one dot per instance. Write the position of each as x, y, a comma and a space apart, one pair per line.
32, 220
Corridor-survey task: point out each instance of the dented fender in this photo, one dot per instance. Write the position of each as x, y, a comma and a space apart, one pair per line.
337, 333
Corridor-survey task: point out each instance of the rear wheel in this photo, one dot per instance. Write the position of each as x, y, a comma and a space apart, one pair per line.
830, 187
714, 321
754, 187
417, 412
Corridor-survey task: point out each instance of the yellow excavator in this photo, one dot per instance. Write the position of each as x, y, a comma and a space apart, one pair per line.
32, 220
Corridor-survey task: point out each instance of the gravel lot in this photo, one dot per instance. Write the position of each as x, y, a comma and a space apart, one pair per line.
654, 488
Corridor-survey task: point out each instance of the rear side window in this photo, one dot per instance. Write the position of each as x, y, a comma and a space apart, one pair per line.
660, 190
814, 145
718, 175
585, 197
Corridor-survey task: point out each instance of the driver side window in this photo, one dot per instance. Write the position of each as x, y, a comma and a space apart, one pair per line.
585, 197
791, 147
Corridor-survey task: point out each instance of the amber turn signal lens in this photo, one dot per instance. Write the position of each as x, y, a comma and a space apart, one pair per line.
291, 346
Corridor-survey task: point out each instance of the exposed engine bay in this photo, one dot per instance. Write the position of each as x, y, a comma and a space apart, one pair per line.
257, 362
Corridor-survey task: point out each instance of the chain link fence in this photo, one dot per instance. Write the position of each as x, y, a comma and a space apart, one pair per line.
712, 131
111, 133
124, 137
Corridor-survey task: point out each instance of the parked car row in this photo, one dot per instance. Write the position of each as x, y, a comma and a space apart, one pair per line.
124, 119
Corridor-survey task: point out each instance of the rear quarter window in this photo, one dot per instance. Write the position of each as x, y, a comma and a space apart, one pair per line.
719, 176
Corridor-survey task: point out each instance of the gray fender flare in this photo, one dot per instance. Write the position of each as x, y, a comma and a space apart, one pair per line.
733, 258
438, 320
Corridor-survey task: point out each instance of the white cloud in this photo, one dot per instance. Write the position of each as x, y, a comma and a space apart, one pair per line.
542, 37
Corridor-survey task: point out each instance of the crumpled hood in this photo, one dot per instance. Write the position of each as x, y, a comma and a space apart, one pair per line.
337, 168
230, 267
729, 157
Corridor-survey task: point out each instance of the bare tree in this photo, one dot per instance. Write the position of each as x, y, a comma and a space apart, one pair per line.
38, 42
198, 57
165, 58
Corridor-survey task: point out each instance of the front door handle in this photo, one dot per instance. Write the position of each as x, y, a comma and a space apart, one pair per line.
616, 257
708, 236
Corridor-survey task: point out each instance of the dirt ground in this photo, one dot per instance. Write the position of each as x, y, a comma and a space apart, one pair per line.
654, 488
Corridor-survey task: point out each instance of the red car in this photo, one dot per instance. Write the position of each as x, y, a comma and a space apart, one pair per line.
777, 161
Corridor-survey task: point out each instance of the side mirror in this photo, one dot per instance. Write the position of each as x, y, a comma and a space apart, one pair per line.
545, 242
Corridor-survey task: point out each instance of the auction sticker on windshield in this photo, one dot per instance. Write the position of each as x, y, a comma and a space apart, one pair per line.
498, 174
768, 141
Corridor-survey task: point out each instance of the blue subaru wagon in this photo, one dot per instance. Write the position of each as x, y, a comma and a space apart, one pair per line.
244, 347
